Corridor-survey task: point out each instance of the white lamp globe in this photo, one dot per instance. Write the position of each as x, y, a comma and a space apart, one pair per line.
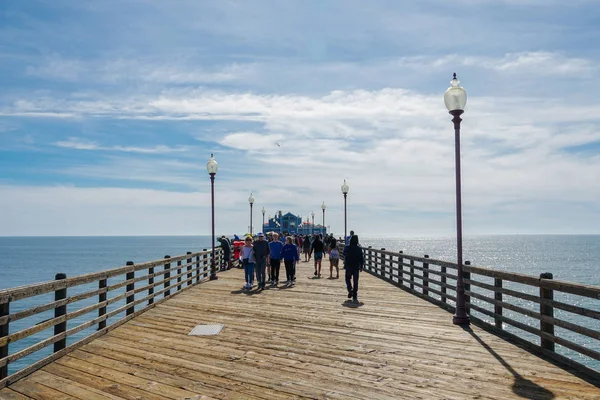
212, 166
455, 97
345, 187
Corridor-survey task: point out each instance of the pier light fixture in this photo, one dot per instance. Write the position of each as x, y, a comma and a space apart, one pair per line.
251, 202
212, 167
263, 213
312, 214
323, 207
345, 189
455, 99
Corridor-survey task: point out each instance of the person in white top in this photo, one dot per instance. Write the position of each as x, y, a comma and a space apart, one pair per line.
247, 257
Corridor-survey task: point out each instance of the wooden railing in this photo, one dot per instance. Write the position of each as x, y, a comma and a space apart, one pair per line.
538, 312
75, 298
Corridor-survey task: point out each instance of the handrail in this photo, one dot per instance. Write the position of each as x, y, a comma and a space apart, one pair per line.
176, 275
508, 311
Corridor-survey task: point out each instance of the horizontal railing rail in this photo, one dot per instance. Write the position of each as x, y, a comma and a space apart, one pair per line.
540, 313
22, 337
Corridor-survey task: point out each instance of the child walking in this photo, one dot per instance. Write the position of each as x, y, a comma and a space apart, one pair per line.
334, 259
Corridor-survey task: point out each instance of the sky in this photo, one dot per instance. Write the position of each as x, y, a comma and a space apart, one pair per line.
109, 111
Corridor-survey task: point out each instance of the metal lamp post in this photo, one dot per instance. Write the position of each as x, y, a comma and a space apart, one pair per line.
212, 167
455, 99
345, 189
263, 225
251, 201
313, 222
323, 207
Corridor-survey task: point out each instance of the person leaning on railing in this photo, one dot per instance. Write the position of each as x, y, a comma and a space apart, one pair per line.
226, 246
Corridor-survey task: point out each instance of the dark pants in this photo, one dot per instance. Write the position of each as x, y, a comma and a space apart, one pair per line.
260, 267
226, 260
275, 265
289, 269
352, 274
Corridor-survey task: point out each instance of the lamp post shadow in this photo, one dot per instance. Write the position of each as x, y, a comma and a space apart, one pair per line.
522, 387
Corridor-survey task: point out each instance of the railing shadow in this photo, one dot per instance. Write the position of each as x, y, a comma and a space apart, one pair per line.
522, 387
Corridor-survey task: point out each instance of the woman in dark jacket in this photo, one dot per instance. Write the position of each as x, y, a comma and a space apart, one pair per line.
355, 262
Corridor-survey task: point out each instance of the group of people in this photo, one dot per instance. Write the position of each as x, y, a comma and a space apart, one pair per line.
262, 257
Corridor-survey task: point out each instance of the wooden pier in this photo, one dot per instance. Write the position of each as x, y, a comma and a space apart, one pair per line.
299, 342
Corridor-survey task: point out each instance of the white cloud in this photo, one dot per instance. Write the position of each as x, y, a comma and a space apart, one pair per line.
78, 144
543, 63
177, 70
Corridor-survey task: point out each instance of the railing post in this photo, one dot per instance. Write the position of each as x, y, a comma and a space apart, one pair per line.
179, 274
370, 252
443, 283
151, 283
167, 275
59, 311
547, 310
205, 263
221, 258
102, 298
425, 280
400, 268
189, 269
130, 288
382, 263
4, 311
197, 269
467, 276
498, 307
412, 274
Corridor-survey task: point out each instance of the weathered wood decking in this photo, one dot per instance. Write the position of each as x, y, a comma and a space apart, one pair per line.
299, 343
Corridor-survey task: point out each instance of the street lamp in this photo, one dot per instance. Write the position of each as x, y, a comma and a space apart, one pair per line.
455, 99
345, 189
212, 167
313, 222
323, 207
263, 213
251, 201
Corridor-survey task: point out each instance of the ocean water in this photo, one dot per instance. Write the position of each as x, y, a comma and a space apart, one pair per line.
26, 260
574, 258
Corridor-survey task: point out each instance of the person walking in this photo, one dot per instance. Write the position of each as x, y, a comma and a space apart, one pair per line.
318, 249
298, 242
289, 255
306, 248
334, 258
275, 259
247, 256
349, 237
261, 255
355, 262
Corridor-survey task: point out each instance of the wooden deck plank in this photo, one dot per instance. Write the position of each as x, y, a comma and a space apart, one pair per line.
300, 342
9, 394
71, 388
39, 391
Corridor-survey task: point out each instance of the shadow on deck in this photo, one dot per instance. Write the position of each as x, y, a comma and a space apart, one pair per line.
299, 342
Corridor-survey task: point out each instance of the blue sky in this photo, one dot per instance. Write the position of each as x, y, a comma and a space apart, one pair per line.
110, 110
